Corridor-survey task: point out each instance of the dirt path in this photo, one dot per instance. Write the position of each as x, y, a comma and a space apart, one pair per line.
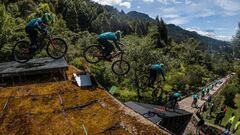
186, 104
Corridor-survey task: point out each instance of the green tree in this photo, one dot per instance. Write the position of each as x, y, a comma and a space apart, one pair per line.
236, 43
162, 30
229, 93
9, 32
160, 36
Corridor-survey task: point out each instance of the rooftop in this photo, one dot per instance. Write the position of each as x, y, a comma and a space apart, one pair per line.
34, 66
63, 108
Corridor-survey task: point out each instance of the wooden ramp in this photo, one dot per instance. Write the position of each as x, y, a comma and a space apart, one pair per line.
10, 70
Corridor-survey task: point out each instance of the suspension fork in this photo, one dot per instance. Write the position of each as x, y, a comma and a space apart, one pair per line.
121, 58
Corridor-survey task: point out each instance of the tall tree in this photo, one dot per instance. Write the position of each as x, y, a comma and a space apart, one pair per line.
162, 31
236, 43
156, 36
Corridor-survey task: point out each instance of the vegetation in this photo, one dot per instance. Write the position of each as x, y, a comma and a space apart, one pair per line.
187, 63
229, 97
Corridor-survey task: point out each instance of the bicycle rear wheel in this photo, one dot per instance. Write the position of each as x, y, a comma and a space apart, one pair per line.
57, 48
156, 93
143, 81
21, 52
120, 67
93, 54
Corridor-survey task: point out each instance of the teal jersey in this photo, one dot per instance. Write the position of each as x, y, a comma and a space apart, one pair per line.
195, 96
156, 67
37, 23
108, 36
177, 94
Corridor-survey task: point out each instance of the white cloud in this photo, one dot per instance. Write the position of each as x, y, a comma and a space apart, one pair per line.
171, 16
210, 34
187, 2
178, 20
224, 38
170, 10
167, 1
108, 2
148, 1
126, 3
181, 15
230, 7
200, 10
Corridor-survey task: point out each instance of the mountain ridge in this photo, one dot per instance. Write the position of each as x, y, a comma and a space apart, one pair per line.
175, 30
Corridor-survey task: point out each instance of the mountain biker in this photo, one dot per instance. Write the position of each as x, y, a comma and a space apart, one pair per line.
195, 99
104, 40
35, 25
154, 70
211, 109
174, 97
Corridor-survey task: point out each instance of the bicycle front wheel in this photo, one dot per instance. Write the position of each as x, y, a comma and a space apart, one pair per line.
57, 48
21, 52
120, 67
93, 54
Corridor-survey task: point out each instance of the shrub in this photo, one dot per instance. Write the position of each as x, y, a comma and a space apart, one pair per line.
229, 93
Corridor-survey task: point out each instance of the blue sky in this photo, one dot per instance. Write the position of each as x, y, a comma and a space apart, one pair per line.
214, 18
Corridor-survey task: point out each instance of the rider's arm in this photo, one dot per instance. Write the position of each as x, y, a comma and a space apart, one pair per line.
117, 45
44, 27
41, 26
161, 71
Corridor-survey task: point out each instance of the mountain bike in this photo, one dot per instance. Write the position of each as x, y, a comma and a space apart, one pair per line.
169, 106
56, 48
95, 53
156, 94
143, 83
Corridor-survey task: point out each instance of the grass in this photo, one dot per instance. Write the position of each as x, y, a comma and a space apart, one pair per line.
230, 110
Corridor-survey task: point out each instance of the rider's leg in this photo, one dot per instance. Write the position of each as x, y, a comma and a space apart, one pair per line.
33, 34
174, 102
153, 77
108, 47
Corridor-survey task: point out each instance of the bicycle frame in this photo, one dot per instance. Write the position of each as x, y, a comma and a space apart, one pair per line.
47, 37
117, 54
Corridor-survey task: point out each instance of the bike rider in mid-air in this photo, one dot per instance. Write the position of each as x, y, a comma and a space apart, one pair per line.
104, 40
155, 69
35, 25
